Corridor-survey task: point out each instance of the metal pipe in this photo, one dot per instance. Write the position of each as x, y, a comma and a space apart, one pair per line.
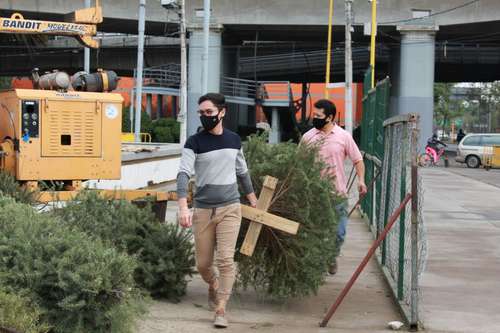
362, 265
86, 51
206, 36
372, 40
348, 67
131, 109
329, 48
414, 229
183, 114
140, 64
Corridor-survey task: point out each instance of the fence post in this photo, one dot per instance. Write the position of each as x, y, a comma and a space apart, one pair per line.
402, 218
388, 167
414, 226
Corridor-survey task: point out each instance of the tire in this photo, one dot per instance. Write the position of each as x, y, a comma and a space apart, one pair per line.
473, 161
425, 160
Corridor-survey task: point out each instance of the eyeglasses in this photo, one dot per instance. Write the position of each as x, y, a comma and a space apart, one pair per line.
208, 112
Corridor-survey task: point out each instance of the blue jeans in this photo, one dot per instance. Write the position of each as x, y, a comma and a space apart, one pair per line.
341, 210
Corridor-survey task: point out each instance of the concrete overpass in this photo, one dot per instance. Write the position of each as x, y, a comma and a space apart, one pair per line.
118, 53
463, 53
412, 52
121, 15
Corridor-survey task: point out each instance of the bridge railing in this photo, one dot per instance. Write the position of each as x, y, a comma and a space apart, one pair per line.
239, 88
272, 93
162, 76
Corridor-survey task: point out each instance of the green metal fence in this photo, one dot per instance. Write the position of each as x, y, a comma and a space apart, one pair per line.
375, 111
390, 150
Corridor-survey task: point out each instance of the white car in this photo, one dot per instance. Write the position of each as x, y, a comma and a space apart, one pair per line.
471, 149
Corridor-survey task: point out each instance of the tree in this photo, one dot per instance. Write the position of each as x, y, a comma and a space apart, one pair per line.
446, 107
5, 82
490, 98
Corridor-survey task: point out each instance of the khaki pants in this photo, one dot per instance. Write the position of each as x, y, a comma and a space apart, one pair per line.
217, 229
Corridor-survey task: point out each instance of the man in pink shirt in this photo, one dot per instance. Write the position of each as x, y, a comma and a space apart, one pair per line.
336, 145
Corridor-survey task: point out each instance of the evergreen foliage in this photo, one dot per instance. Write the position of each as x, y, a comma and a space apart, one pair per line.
285, 266
18, 314
164, 251
10, 187
79, 284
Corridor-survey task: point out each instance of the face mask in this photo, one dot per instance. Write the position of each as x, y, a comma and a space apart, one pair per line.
319, 123
209, 122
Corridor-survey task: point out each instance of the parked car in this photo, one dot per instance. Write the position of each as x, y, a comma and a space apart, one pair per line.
471, 149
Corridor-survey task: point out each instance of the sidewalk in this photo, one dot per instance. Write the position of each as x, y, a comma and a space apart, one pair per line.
367, 308
461, 283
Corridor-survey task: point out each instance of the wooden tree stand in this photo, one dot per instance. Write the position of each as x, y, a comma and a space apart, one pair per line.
259, 216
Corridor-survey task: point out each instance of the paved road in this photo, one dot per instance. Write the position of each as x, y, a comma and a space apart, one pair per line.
491, 177
460, 285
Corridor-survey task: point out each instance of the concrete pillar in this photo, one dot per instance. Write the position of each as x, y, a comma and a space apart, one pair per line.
149, 104
159, 107
174, 106
275, 135
416, 75
394, 71
131, 109
195, 71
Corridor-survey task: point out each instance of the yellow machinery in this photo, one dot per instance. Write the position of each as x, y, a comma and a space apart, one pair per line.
68, 130
492, 157
62, 136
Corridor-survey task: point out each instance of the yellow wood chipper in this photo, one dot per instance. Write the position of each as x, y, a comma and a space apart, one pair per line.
68, 129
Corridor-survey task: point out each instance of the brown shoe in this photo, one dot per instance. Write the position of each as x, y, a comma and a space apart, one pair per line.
220, 320
332, 269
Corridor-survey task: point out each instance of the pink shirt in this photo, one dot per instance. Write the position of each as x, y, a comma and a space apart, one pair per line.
337, 145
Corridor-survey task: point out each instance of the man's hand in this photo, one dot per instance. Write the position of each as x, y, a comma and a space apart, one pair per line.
252, 199
362, 188
185, 217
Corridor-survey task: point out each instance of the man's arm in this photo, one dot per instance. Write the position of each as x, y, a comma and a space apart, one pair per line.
357, 159
244, 178
186, 169
442, 143
360, 171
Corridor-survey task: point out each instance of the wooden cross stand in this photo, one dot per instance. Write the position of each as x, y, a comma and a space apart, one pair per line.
259, 216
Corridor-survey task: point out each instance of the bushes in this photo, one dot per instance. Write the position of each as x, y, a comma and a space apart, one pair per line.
10, 187
285, 266
165, 130
161, 130
82, 265
17, 314
164, 251
146, 123
80, 284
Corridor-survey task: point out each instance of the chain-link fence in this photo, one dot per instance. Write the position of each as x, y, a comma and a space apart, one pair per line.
403, 253
390, 151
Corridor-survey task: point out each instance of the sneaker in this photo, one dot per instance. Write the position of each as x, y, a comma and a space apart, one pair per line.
332, 269
220, 320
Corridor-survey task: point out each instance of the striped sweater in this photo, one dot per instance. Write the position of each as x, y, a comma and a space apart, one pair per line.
217, 162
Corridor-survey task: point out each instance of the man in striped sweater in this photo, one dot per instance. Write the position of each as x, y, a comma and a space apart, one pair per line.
215, 157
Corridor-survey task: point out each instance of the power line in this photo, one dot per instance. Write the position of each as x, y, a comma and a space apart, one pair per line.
434, 14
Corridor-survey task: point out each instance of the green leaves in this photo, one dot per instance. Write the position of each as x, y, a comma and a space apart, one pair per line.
78, 282
166, 130
285, 266
164, 251
10, 187
161, 130
17, 313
